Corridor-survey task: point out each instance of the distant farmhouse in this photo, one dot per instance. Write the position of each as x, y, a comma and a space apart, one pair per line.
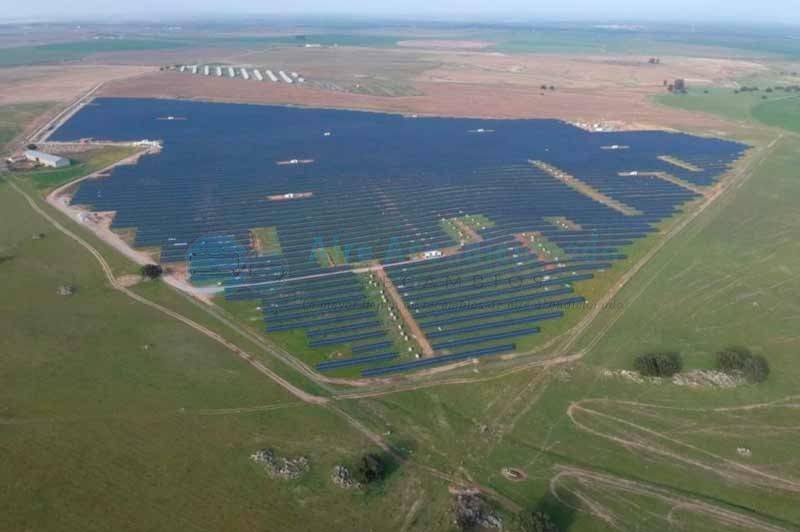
46, 159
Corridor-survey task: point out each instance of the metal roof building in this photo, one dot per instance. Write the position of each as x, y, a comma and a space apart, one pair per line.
46, 159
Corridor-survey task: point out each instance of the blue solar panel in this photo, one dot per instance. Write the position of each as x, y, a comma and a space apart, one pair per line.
486, 338
438, 360
355, 361
380, 190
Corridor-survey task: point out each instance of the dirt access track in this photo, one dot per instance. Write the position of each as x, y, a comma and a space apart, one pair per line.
411, 323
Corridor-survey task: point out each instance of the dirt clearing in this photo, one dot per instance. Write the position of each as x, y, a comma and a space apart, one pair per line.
58, 83
434, 99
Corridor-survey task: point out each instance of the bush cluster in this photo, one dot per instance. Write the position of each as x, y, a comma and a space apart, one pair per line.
740, 360
658, 364
371, 469
152, 271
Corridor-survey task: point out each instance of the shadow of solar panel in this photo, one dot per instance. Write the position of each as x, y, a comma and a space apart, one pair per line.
355, 361
438, 360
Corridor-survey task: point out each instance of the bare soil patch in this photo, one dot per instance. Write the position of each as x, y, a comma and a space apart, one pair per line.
128, 281
444, 44
584, 72
436, 99
58, 83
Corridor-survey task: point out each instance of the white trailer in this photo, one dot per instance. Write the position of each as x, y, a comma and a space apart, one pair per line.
245, 75
295, 75
285, 77
231, 73
257, 75
206, 70
219, 72
271, 76
193, 68
182, 68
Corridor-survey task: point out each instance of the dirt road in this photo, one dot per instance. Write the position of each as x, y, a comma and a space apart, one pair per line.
411, 323
474, 236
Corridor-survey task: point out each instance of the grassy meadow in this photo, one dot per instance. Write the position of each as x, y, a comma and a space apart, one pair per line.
116, 417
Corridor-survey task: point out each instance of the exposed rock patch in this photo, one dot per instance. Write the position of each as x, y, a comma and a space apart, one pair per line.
513, 474
472, 511
342, 477
704, 378
699, 378
279, 466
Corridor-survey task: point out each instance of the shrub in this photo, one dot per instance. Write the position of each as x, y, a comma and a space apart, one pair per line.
537, 522
152, 271
371, 468
755, 368
658, 364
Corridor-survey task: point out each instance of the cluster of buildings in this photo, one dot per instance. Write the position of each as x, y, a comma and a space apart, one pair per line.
246, 73
36, 157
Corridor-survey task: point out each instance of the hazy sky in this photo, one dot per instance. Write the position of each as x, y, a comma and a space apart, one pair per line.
779, 11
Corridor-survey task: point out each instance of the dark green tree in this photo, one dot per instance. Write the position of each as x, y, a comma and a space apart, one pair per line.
755, 368
152, 271
537, 521
658, 364
371, 468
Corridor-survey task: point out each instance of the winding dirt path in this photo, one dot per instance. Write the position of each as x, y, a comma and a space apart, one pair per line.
733, 471
676, 501
115, 284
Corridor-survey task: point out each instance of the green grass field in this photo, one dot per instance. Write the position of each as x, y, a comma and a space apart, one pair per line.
76, 50
728, 279
83, 163
783, 113
776, 109
115, 417
655, 40
12, 118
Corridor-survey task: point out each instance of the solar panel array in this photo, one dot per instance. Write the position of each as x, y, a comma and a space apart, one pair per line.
377, 187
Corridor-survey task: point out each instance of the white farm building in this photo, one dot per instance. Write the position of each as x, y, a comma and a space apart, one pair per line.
46, 159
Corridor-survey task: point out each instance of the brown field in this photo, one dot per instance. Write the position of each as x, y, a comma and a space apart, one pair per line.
167, 57
585, 72
433, 82
58, 83
436, 44
452, 82
436, 99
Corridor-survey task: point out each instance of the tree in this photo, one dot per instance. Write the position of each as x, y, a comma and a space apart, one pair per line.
658, 364
754, 368
152, 271
537, 522
371, 468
